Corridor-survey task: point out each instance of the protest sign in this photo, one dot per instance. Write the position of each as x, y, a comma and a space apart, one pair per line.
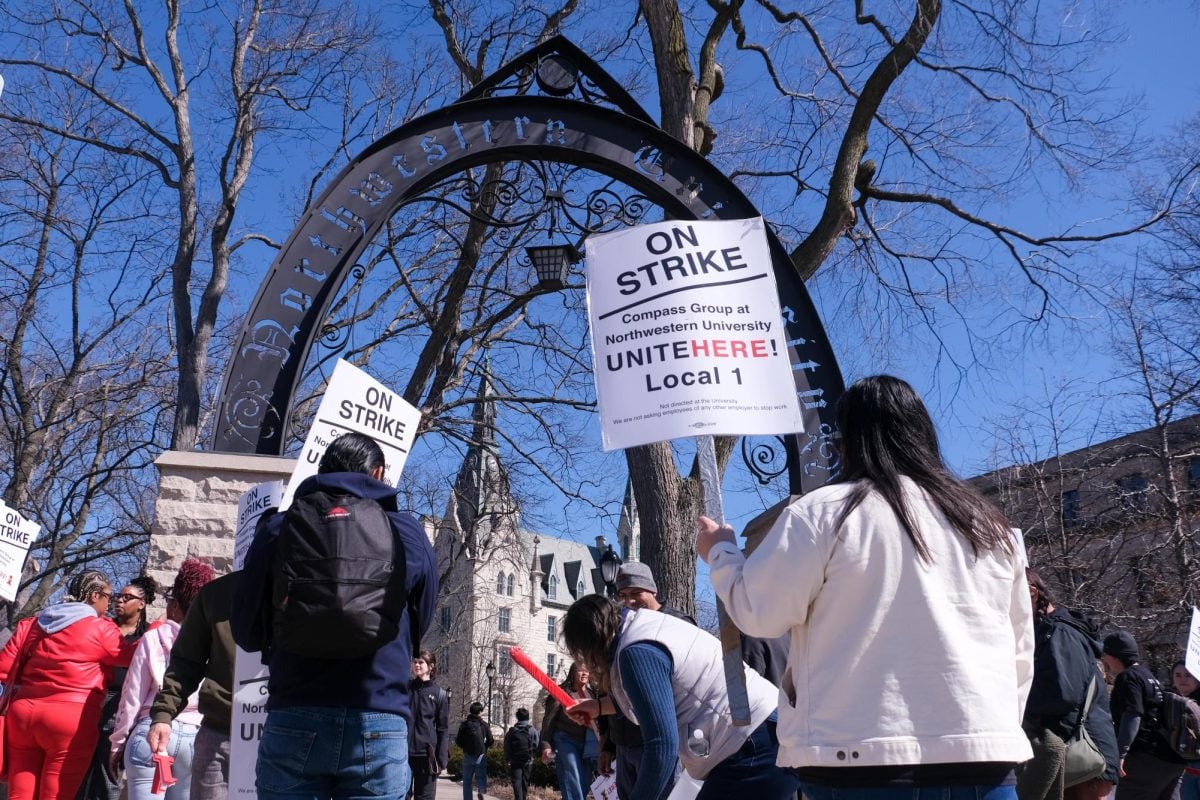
687, 333
1192, 659
251, 506
16, 537
250, 676
605, 787
249, 713
354, 401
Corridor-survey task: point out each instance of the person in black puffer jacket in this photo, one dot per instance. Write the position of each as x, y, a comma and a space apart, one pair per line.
1065, 653
429, 737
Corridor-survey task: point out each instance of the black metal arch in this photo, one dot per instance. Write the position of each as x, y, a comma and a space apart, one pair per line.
286, 316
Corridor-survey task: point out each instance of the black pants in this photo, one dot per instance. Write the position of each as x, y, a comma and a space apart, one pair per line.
519, 775
424, 781
1148, 777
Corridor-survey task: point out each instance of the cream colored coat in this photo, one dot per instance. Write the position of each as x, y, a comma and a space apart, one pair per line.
892, 660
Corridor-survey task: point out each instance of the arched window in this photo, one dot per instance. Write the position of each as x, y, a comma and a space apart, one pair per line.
552, 592
580, 590
500, 583
512, 584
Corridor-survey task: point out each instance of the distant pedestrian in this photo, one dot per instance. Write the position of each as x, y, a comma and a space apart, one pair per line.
429, 740
520, 746
564, 739
475, 738
900, 583
1150, 769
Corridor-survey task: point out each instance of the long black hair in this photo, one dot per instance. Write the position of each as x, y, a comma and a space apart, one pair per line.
149, 588
1045, 598
887, 434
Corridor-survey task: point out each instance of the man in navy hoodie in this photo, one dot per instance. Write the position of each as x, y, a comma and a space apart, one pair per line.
338, 727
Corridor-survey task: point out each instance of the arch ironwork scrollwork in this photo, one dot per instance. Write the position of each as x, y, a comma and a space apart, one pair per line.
550, 116
766, 457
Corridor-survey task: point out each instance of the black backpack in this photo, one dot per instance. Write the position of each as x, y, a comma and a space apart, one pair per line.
338, 578
520, 745
471, 737
1177, 720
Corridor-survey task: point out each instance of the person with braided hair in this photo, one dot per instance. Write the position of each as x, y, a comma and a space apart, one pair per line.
129, 613
142, 682
57, 662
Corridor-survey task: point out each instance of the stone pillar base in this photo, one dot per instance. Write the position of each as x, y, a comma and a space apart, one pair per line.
196, 509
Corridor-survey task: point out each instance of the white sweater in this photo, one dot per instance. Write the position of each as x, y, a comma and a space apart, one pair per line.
892, 660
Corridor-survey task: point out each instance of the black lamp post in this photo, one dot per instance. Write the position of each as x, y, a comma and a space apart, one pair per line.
490, 671
610, 562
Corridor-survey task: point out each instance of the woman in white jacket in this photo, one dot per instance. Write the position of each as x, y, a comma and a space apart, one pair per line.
130, 747
905, 597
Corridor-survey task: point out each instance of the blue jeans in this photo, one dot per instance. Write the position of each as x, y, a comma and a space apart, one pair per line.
568, 765
315, 753
474, 771
912, 793
1189, 785
139, 766
751, 771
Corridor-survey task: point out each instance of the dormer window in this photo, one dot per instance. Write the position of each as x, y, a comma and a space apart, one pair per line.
580, 590
552, 592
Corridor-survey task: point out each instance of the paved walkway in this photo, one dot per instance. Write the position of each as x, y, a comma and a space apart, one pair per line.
450, 790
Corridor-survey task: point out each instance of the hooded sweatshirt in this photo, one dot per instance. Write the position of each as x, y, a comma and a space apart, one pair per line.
375, 682
66, 650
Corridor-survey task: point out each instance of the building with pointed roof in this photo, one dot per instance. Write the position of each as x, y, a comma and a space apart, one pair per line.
502, 585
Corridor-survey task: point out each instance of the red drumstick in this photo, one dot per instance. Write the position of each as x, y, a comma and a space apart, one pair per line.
545, 680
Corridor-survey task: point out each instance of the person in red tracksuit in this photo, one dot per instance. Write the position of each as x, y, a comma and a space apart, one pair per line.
53, 720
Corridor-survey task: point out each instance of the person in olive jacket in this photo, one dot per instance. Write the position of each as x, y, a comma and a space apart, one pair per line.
202, 657
429, 737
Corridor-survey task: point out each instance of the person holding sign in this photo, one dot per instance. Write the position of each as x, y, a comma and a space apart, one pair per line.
668, 676
337, 591
911, 627
57, 664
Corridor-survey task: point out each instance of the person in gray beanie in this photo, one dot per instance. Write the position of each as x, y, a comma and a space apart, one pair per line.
1150, 769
